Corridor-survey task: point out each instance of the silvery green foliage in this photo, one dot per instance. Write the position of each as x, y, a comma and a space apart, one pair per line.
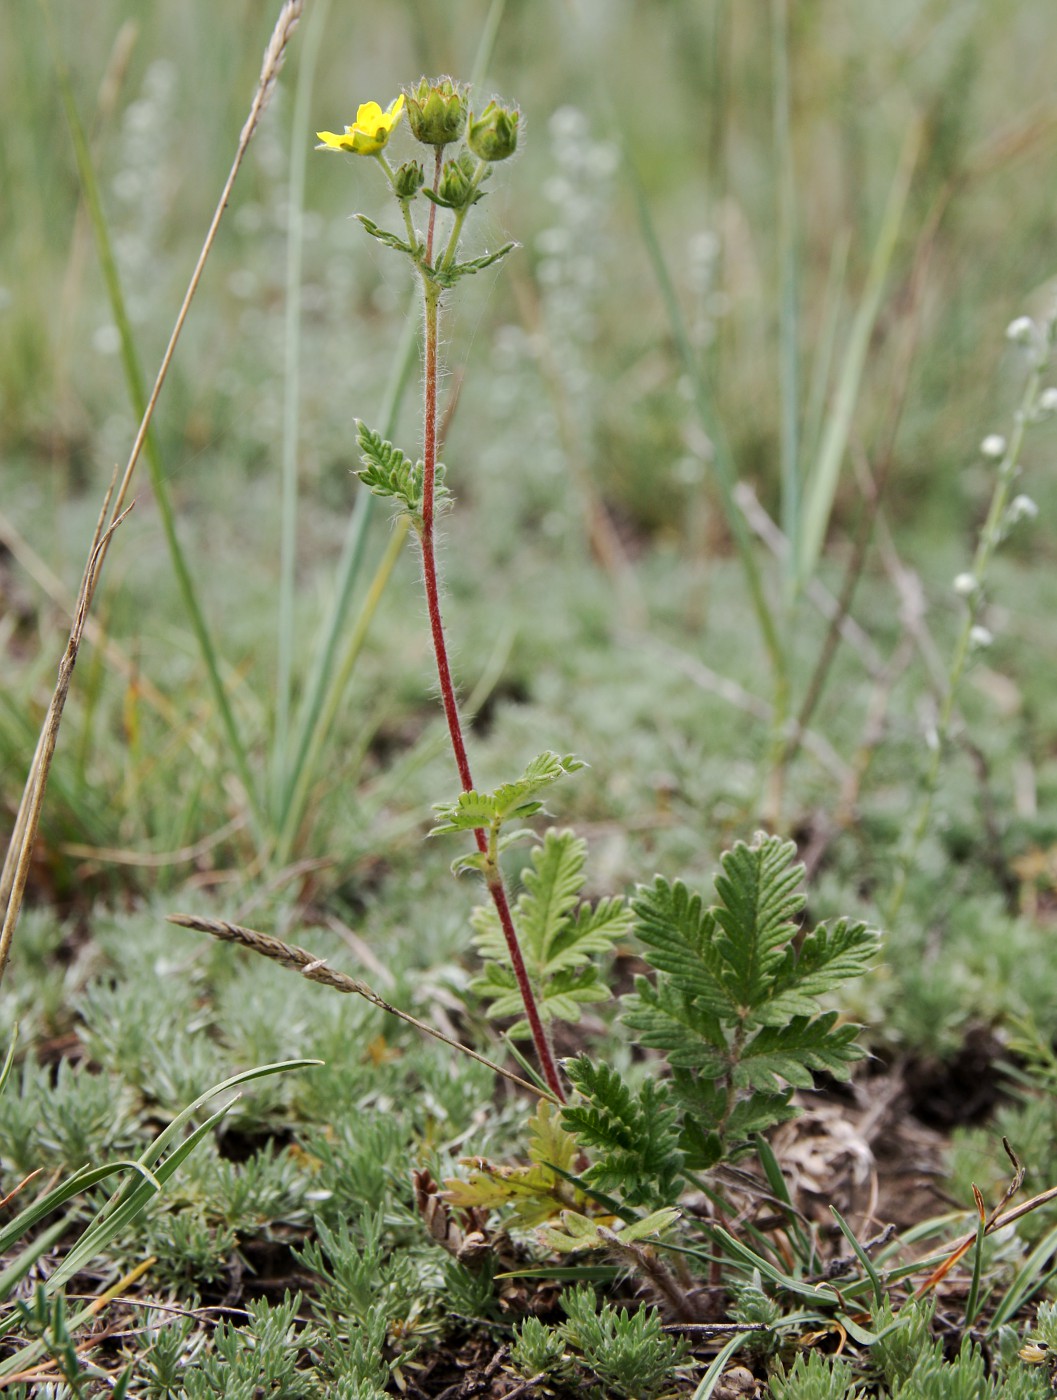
536, 1350
815, 1377
260, 1358
935, 1378
627, 1352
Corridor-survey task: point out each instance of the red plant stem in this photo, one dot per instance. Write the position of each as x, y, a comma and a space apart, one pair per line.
494, 878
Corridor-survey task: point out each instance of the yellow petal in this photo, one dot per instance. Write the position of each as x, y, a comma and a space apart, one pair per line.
368, 114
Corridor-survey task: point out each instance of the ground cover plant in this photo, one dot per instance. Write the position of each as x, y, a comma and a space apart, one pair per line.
725, 1066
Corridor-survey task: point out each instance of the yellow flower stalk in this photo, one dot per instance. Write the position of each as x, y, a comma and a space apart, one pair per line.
370, 131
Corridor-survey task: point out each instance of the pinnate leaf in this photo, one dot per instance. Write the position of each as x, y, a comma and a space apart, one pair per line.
473, 810
390, 474
559, 937
637, 1134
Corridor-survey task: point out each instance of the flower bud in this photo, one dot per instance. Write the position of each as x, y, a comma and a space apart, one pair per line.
1047, 402
408, 180
979, 638
1021, 331
436, 112
1022, 508
457, 189
493, 135
966, 585
993, 447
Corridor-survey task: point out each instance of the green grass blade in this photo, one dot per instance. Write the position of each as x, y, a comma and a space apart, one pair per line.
860, 1254
776, 1181
486, 44
24, 1261
74, 1185
308, 769
821, 1293
131, 1198
1032, 1276
138, 397
710, 1379
972, 1302
825, 347
9, 1058
822, 487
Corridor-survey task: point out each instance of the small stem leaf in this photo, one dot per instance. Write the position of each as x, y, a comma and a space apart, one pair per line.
472, 811
448, 276
391, 240
560, 936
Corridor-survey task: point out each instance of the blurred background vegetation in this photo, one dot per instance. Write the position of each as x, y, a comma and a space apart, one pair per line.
589, 566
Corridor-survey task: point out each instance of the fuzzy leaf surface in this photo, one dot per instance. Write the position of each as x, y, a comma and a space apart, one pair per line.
637, 1135
383, 235
387, 472
559, 936
792, 1052
758, 902
473, 810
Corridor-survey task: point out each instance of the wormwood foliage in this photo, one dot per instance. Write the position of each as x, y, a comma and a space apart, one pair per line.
390, 474
735, 1009
560, 935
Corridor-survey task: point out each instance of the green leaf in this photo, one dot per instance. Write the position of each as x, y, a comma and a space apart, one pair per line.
474, 810
712, 1130
830, 956
391, 240
636, 1134
667, 1018
734, 1007
758, 900
792, 1052
585, 1232
678, 933
559, 937
447, 277
389, 473
469, 812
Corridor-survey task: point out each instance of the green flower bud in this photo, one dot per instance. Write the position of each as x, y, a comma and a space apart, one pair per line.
408, 180
457, 188
493, 135
436, 112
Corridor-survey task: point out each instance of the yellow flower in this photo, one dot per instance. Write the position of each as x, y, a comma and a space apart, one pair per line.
370, 131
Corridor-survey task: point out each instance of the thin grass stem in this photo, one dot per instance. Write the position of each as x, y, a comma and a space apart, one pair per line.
16, 865
990, 535
288, 510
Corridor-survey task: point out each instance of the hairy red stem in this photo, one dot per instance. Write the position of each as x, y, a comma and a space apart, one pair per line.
494, 878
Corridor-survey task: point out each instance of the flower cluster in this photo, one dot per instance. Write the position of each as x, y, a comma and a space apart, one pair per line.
465, 145
439, 114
